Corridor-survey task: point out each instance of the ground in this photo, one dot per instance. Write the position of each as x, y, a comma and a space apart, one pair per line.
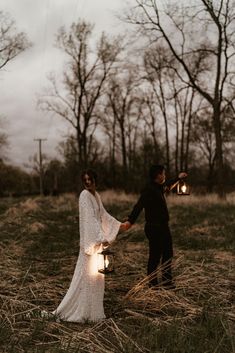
39, 248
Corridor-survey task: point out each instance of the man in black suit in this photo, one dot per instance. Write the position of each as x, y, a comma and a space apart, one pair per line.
153, 201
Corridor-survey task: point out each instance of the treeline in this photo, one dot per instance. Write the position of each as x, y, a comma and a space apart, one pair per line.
60, 176
168, 98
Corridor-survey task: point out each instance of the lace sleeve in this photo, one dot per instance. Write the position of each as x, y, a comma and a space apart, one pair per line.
91, 234
110, 225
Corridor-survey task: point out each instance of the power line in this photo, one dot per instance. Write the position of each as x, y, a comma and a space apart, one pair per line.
40, 163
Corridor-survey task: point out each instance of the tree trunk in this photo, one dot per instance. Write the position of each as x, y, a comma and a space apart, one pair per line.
219, 152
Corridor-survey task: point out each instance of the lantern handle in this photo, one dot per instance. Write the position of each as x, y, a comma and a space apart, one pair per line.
105, 244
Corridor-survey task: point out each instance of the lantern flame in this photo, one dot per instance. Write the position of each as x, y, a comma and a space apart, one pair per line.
106, 262
184, 188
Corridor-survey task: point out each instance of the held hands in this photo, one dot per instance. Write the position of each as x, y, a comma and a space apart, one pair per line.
182, 175
125, 226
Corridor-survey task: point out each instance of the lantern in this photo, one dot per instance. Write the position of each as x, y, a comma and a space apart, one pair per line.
106, 261
183, 188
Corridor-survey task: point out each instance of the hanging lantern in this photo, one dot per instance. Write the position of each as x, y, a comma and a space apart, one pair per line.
183, 188
106, 261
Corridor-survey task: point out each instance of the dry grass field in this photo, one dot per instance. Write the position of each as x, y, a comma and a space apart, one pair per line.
39, 248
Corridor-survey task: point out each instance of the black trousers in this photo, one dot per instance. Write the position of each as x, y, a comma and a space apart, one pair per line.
160, 251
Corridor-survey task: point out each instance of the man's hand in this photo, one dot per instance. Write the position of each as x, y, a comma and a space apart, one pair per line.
125, 226
182, 175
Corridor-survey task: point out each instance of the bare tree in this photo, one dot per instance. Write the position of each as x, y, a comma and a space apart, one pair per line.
156, 74
187, 103
177, 102
3, 140
12, 43
204, 138
83, 83
109, 126
122, 115
152, 121
201, 37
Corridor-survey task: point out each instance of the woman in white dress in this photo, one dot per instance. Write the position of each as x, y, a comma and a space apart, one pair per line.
84, 298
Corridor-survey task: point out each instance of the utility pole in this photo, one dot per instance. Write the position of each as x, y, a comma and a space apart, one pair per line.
40, 164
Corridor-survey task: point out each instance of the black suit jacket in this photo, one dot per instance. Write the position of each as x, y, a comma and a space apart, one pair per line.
152, 200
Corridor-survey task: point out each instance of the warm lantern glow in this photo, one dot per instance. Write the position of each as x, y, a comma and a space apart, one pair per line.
182, 188
100, 262
93, 263
105, 261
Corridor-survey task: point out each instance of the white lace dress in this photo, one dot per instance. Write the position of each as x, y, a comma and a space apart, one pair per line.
84, 298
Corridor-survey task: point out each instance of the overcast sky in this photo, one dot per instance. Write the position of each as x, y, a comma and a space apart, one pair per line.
26, 76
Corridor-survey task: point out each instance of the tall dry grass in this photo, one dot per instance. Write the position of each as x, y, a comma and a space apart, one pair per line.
27, 287
201, 199
193, 282
112, 196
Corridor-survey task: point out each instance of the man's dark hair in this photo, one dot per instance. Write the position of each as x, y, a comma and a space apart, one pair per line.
155, 170
91, 173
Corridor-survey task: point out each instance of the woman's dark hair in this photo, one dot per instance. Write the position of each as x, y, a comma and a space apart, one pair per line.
155, 170
91, 173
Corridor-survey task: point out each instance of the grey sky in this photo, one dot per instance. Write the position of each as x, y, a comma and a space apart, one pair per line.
26, 76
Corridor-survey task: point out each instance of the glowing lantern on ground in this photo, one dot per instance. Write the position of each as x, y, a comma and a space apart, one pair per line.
106, 261
183, 188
